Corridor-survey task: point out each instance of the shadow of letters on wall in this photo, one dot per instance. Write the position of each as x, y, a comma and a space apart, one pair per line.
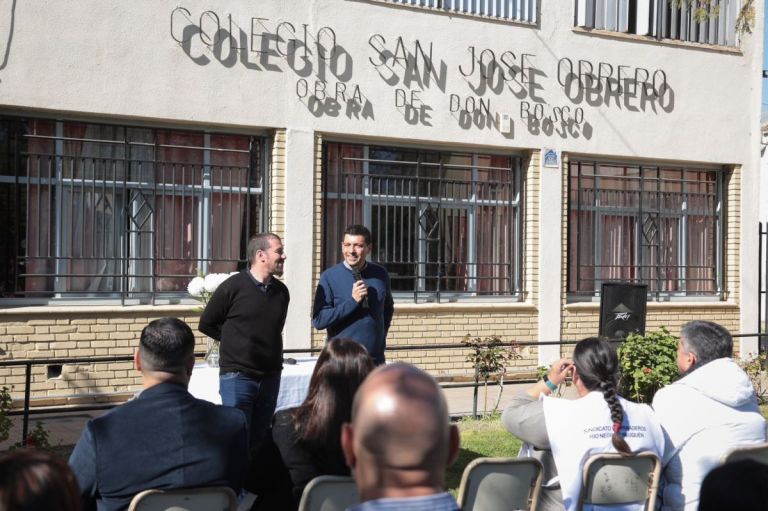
7, 25
484, 89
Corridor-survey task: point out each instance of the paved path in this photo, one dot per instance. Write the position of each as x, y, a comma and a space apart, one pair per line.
63, 428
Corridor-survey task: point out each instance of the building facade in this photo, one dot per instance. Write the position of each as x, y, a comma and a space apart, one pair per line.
509, 156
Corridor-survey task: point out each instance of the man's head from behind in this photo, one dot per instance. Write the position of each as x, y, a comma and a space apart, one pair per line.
702, 342
741, 485
167, 347
400, 439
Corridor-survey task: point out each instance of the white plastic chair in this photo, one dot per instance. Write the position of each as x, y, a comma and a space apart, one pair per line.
329, 493
757, 452
490, 484
615, 479
214, 498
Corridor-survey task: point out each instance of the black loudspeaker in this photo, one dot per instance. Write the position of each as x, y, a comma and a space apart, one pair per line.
622, 309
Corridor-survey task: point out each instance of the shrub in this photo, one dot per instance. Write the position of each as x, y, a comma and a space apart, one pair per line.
648, 362
488, 358
38, 438
754, 366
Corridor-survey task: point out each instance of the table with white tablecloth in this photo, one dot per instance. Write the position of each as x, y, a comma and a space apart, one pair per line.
294, 383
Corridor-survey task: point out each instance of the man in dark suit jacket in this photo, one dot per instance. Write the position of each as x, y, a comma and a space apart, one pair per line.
164, 438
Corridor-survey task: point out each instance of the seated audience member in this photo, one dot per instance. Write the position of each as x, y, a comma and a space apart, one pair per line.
741, 485
309, 436
707, 412
36, 481
400, 441
165, 438
598, 421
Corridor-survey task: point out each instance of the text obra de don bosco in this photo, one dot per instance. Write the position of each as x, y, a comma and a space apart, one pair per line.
410, 69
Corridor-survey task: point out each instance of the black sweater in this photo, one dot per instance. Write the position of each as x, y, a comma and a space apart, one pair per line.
303, 461
249, 323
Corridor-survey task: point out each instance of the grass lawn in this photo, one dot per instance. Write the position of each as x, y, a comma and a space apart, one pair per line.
480, 438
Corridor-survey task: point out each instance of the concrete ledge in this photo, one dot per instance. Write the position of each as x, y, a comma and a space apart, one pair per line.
92, 310
74, 400
593, 306
465, 307
610, 34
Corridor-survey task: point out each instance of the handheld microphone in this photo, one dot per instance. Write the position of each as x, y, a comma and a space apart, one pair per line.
357, 276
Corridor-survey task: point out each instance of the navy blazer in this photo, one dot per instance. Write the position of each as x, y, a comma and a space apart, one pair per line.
165, 438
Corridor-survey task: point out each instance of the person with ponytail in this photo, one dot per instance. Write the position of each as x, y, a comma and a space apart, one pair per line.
563, 433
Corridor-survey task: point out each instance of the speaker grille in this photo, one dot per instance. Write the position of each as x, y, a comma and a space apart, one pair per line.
622, 309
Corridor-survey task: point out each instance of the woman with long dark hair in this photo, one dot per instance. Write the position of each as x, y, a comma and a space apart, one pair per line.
309, 436
562, 433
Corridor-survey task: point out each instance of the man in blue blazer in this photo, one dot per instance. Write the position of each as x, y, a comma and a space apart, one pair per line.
164, 438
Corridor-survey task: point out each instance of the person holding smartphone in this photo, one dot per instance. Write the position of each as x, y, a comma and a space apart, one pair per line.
562, 433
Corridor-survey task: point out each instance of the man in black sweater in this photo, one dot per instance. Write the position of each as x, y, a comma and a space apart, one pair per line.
247, 314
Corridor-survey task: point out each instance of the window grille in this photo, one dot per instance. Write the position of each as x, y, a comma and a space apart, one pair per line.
664, 19
108, 211
657, 225
524, 11
445, 225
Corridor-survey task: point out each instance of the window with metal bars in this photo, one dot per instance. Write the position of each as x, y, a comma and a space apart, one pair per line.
523, 11
712, 22
107, 211
445, 224
653, 224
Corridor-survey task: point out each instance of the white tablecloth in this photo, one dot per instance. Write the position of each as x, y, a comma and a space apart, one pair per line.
294, 383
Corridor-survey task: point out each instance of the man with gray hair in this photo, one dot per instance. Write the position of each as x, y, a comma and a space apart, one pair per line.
400, 441
710, 410
164, 438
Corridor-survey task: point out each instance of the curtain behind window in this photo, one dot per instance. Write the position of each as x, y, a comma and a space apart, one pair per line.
663, 235
90, 220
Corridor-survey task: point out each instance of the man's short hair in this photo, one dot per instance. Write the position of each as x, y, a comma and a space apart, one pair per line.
359, 230
739, 485
707, 340
259, 242
166, 345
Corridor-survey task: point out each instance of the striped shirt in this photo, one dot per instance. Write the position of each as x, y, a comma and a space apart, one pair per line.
436, 502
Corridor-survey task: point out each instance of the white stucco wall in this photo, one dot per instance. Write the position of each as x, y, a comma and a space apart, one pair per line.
146, 60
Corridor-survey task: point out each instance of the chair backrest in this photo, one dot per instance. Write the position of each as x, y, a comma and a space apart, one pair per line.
214, 498
500, 483
757, 452
329, 493
613, 479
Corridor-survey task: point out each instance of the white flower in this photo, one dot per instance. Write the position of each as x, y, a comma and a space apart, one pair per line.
214, 280
196, 287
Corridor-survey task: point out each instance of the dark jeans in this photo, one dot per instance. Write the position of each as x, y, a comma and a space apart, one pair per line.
256, 398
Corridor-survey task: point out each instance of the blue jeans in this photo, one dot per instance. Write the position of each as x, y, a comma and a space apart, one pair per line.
256, 398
